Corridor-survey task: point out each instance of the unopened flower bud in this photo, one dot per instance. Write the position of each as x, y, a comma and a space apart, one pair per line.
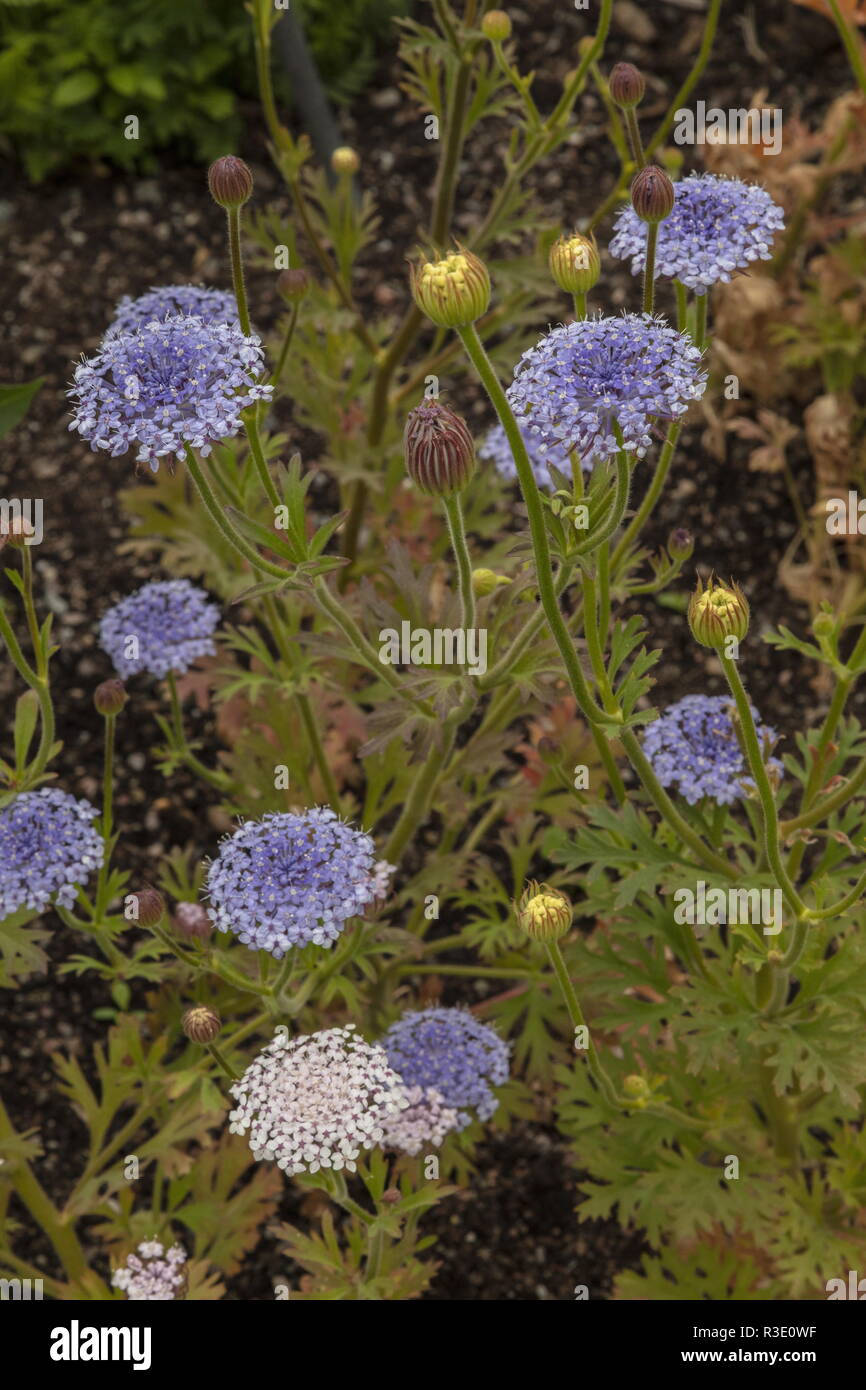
637, 1089
485, 582
438, 449
201, 1024
652, 194
626, 85
392, 1195
824, 625
496, 26
681, 544
110, 696
544, 913
16, 532
575, 263
230, 181
293, 284
149, 907
718, 612
191, 920
344, 160
453, 290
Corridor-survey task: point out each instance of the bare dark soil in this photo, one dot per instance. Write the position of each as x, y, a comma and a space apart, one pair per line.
70, 249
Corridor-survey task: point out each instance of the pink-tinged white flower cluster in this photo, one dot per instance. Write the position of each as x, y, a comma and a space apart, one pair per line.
152, 1274
423, 1124
316, 1101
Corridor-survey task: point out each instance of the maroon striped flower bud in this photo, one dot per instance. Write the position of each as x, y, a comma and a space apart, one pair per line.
230, 181
201, 1024
438, 448
652, 194
147, 907
626, 85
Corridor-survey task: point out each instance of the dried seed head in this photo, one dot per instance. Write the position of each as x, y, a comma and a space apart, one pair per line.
230, 181
544, 913
453, 290
626, 85
575, 263
718, 612
438, 449
652, 194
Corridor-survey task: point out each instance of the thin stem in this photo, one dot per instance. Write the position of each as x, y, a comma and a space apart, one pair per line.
762, 782
233, 218
575, 1013
634, 140
457, 531
649, 270
214, 777
852, 45
653, 493
218, 516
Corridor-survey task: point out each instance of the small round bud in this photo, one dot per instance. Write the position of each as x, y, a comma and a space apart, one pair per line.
824, 625
438, 449
149, 907
544, 913
192, 921
575, 263
718, 612
293, 284
345, 160
453, 290
681, 544
200, 1024
652, 194
626, 85
392, 1195
110, 696
484, 582
16, 532
230, 181
636, 1088
496, 26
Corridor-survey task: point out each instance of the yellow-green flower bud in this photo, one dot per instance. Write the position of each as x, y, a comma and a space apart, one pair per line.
344, 160
637, 1089
575, 263
544, 913
484, 582
453, 290
496, 26
718, 612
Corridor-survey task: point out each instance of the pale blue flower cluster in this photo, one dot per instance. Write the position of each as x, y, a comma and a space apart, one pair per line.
48, 847
452, 1053
162, 627
585, 379
693, 748
718, 226
291, 879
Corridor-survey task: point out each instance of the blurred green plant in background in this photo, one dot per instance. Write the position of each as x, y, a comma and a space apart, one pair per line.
73, 71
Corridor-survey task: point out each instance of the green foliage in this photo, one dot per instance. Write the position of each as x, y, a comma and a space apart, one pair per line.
73, 71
